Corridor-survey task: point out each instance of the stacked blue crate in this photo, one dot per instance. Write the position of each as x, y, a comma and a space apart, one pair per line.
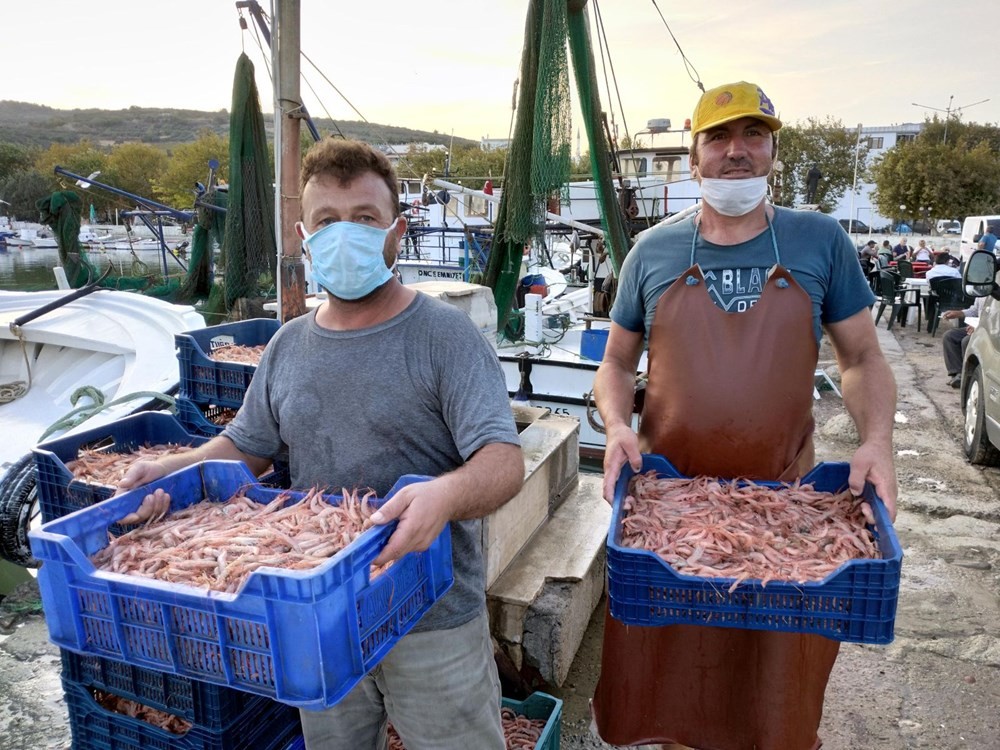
208, 387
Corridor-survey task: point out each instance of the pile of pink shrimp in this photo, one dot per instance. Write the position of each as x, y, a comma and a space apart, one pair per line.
217, 545
153, 716
244, 355
743, 530
520, 732
104, 467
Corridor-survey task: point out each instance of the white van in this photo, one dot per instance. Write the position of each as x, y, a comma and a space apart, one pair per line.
972, 229
949, 226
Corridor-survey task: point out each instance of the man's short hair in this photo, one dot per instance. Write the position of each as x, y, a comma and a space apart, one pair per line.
941, 258
345, 160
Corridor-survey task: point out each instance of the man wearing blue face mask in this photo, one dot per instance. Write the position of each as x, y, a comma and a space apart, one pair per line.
378, 382
732, 304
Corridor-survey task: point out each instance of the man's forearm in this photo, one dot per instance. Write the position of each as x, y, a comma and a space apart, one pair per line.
219, 448
614, 392
869, 390
491, 477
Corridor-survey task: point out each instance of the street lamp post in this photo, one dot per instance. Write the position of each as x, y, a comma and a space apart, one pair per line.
858, 218
948, 112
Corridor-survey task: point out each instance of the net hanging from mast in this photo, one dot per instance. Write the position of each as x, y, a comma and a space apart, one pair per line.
539, 158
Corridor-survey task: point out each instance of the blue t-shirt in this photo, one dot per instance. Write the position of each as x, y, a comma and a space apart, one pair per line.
811, 245
989, 241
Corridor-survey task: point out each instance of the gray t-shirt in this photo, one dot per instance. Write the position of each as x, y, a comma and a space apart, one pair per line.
418, 394
812, 246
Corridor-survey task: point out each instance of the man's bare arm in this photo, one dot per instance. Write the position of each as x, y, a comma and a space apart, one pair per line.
491, 477
614, 392
144, 472
869, 390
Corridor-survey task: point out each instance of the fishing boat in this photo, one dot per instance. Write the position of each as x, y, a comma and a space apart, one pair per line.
91, 353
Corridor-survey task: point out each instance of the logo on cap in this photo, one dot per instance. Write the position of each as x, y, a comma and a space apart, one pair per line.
723, 99
765, 104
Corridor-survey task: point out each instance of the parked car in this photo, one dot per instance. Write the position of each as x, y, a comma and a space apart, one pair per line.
855, 226
981, 365
972, 229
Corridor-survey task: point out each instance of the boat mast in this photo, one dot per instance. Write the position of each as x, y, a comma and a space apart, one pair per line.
288, 112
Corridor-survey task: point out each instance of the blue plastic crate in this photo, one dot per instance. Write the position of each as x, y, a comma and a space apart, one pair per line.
855, 603
197, 418
60, 494
302, 637
205, 381
541, 706
208, 706
593, 342
264, 726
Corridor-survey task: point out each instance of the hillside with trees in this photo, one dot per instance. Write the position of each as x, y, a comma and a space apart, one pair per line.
162, 153
37, 126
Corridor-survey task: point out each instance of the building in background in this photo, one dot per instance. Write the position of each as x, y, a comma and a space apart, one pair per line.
880, 138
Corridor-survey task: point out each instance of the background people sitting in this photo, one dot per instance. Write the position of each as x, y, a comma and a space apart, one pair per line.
942, 268
955, 341
922, 253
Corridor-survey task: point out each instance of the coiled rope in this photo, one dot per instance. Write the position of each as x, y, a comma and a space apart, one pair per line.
81, 414
16, 388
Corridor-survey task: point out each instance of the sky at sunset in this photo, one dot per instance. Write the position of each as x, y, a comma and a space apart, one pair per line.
452, 66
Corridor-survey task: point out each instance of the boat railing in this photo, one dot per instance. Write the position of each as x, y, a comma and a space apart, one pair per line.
447, 245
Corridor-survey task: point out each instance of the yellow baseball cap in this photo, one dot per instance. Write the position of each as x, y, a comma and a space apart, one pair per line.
731, 102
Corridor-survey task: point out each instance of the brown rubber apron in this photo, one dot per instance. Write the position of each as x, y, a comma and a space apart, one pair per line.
729, 395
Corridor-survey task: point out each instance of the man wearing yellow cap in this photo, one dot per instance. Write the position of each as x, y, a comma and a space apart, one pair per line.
732, 304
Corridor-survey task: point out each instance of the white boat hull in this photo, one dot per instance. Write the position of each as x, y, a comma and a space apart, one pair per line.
561, 378
118, 342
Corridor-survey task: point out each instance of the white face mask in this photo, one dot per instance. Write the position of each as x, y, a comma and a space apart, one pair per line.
734, 197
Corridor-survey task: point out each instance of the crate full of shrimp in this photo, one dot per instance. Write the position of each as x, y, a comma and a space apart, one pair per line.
267, 591
752, 555
531, 724
187, 701
77, 470
101, 720
542, 714
217, 363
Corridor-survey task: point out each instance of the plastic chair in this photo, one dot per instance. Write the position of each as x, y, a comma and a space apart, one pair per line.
891, 296
946, 294
905, 269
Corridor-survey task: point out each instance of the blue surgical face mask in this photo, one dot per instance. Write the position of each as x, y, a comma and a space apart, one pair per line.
347, 258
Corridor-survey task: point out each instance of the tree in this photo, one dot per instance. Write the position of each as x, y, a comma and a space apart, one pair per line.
134, 167
188, 164
950, 179
828, 145
470, 165
82, 158
21, 190
14, 159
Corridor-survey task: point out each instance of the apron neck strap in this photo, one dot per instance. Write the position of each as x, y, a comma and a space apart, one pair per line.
770, 228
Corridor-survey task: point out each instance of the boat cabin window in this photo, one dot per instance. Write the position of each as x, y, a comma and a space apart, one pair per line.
476, 205
667, 166
411, 187
635, 165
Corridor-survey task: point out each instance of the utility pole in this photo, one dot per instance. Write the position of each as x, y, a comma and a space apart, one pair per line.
287, 115
948, 112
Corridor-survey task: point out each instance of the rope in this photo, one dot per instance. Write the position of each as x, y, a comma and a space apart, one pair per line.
16, 388
81, 414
